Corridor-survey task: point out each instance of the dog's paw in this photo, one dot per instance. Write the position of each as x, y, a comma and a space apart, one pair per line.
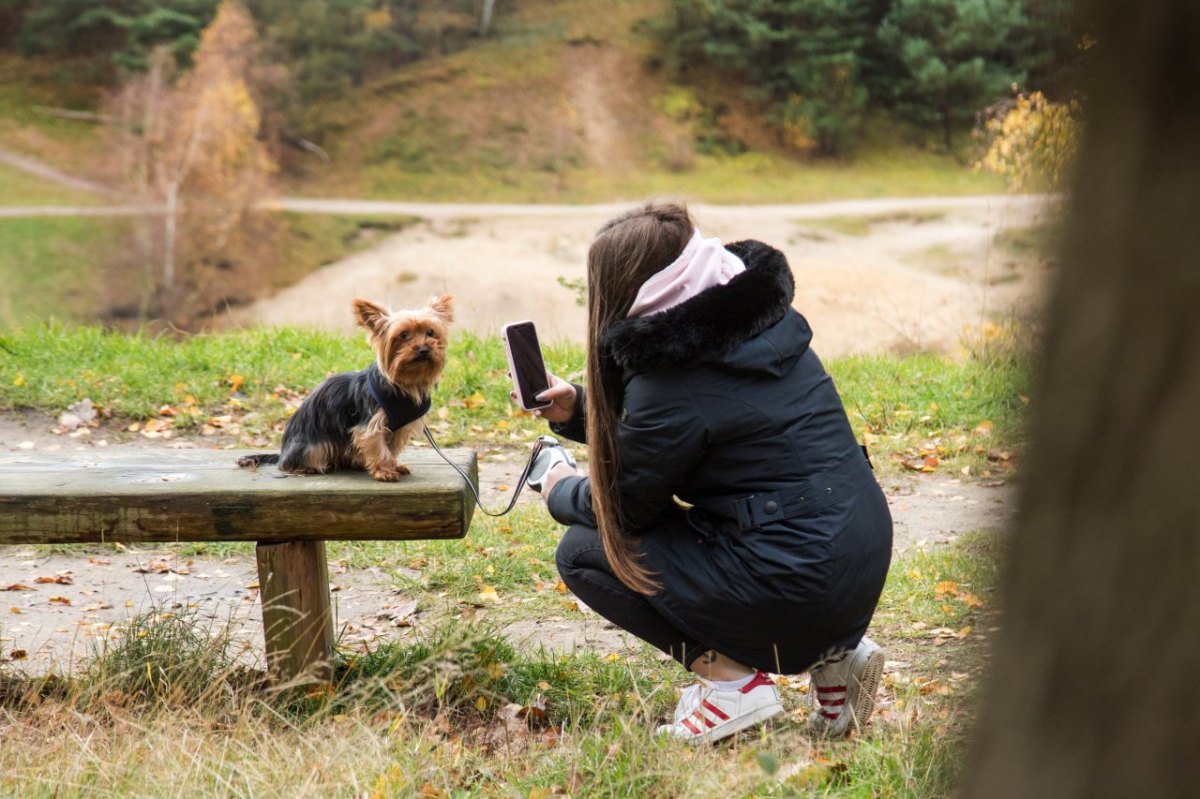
390, 474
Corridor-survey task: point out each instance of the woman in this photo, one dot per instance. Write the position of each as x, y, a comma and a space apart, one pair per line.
730, 518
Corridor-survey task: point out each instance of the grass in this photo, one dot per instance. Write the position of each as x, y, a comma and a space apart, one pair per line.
455, 709
1040, 240
859, 226
30, 84
932, 413
246, 384
53, 267
50, 266
315, 240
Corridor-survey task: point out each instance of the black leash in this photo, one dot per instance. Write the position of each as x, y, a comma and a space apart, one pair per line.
537, 447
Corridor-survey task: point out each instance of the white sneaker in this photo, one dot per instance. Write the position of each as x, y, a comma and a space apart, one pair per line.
845, 690
706, 713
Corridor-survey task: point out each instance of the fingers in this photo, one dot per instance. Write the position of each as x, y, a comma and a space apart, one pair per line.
557, 391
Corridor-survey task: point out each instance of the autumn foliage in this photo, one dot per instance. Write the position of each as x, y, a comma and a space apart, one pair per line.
1033, 144
192, 155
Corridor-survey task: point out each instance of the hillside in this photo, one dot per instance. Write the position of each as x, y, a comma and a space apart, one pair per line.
564, 101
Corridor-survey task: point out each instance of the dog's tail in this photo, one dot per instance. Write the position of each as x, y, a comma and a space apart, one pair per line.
254, 461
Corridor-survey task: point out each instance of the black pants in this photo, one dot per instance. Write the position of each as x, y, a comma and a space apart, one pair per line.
584, 568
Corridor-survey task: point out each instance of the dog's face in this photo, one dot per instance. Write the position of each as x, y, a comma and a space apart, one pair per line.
410, 345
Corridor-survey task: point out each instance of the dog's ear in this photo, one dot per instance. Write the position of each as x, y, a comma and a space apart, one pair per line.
443, 306
369, 315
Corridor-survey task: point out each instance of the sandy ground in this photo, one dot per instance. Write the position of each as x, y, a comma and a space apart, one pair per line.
921, 273
58, 624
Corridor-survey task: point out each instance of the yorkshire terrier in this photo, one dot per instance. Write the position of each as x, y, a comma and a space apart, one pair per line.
364, 420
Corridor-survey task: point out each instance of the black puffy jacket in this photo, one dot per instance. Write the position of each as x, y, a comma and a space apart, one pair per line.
780, 539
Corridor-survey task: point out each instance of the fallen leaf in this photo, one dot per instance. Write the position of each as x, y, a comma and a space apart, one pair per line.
561, 587
17, 654
945, 587
59, 600
970, 599
476, 400
984, 428
236, 382
60, 579
488, 594
19, 380
17, 587
481, 704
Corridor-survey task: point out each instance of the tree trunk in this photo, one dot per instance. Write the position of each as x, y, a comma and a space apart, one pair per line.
170, 228
1096, 683
485, 22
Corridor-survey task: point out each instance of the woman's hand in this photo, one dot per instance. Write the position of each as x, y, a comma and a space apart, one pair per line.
556, 473
563, 396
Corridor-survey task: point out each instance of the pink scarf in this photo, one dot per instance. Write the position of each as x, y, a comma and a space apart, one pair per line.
704, 263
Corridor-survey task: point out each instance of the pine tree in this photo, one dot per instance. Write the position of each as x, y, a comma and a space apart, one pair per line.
953, 57
799, 55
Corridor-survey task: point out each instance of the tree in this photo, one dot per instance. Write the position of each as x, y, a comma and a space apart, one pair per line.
953, 57
126, 31
193, 149
1033, 145
799, 55
1094, 691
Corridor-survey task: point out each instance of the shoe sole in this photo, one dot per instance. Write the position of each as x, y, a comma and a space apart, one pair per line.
861, 691
739, 724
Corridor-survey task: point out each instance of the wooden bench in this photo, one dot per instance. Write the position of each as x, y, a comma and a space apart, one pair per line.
139, 496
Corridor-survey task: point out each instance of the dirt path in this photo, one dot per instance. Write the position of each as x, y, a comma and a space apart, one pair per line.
57, 624
872, 276
46, 172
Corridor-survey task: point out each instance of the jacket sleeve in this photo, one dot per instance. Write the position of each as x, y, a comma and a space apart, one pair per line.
659, 440
575, 428
571, 501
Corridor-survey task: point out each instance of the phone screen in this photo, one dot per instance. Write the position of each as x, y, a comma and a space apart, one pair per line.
525, 361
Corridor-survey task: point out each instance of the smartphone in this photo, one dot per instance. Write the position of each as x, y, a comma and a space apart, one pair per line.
525, 364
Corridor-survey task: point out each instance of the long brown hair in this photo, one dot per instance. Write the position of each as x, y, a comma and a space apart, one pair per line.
626, 252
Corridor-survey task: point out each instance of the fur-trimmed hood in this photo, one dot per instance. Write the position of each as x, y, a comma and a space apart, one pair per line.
746, 324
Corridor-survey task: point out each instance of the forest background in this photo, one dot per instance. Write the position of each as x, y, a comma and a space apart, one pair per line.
567, 101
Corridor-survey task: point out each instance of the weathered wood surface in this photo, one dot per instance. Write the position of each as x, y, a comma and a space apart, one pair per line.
202, 495
293, 579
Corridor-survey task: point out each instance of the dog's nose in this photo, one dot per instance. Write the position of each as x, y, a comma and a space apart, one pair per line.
423, 352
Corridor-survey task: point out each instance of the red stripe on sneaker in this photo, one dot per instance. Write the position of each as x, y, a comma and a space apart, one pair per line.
716, 711
759, 679
695, 730
707, 721
831, 689
831, 702
831, 716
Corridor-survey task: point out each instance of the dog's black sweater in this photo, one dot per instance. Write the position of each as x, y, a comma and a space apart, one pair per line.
337, 406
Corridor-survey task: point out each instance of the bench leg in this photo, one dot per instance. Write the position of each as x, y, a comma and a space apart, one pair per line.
293, 581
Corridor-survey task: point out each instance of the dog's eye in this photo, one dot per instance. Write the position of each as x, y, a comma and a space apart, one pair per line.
404, 335
430, 333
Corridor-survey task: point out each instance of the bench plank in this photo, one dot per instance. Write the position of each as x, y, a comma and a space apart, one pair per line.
202, 495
